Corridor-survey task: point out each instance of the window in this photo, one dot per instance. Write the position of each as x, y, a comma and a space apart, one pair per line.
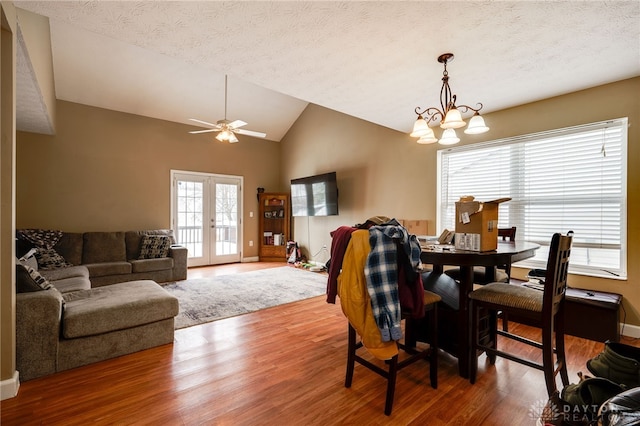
560, 180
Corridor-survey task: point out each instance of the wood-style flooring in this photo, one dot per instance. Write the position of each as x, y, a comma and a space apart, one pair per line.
279, 366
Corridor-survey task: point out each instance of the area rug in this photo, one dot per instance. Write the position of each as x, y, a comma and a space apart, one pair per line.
209, 299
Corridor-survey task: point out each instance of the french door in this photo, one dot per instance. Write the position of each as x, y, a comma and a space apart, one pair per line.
206, 216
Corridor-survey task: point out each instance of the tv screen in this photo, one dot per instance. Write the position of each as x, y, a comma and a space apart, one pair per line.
315, 195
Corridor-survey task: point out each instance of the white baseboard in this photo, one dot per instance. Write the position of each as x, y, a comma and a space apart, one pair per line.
250, 259
630, 330
9, 387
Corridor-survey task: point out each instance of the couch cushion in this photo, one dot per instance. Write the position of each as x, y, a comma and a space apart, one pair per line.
69, 279
103, 247
116, 307
63, 273
134, 240
108, 268
151, 265
70, 247
67, 285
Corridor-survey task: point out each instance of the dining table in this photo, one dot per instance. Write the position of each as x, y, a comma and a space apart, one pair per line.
455, 322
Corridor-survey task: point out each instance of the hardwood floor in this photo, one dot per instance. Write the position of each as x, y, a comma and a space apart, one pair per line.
283, 365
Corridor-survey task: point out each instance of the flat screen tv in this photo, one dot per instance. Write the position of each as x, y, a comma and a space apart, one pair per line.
315, 195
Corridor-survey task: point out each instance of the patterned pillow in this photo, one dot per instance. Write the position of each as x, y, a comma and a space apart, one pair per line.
154, 246
28, 279
44, 238
50, 259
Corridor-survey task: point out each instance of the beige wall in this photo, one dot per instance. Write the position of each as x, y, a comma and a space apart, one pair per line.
383, 172
106, 171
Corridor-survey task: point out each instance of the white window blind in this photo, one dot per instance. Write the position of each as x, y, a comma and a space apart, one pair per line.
560, 180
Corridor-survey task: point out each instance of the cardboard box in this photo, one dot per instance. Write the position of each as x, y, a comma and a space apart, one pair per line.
477, 225
415, 227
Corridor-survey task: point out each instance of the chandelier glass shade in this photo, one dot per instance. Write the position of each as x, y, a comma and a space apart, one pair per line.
450, 115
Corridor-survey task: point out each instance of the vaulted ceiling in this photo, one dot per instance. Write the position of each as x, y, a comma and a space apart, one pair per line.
371, 60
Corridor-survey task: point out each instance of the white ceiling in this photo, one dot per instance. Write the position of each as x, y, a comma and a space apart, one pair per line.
371, 60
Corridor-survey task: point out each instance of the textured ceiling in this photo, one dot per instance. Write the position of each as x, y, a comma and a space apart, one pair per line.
372, 60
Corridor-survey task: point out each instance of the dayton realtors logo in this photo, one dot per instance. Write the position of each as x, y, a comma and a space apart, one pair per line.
554, 410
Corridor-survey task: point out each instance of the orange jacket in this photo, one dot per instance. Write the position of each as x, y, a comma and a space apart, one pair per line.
355, 300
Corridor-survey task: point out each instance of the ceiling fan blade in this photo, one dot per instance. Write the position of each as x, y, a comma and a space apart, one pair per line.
251, 133
206, 123
203, 131
237, 123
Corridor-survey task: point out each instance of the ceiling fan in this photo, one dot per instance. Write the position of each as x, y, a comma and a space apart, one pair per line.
227, 129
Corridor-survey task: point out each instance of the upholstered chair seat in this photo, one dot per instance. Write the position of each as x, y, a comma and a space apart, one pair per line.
509, 295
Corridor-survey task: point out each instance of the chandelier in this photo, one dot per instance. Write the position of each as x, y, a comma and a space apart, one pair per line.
450, 115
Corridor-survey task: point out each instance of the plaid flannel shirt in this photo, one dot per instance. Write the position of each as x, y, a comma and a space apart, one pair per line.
381, 272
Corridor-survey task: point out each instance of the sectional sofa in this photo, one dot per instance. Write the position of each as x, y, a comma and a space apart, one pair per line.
110, 257
105, 305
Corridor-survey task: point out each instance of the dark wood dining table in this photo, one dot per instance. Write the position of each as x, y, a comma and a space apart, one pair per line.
441, 256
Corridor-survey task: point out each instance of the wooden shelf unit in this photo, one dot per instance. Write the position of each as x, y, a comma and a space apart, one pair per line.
275, 226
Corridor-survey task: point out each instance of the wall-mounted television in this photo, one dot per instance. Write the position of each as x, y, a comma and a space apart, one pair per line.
315, 195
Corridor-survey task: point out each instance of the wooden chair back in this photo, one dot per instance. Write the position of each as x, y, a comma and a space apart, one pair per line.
507, 233
555, 283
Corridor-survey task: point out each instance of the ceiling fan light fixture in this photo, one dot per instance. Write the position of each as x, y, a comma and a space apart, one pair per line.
224, 135
227, 129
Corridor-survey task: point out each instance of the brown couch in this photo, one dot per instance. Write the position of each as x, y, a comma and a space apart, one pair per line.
106, 305
56, 330
114, 257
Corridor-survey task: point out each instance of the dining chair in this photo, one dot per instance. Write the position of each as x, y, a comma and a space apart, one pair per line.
502, 273
545, 308
394, 364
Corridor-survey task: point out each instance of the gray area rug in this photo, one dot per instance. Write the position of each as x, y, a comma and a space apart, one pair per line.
209, 299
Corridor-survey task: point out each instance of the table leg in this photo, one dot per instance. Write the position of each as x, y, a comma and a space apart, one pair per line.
464, 333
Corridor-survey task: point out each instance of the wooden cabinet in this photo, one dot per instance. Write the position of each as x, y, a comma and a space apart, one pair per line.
275, 226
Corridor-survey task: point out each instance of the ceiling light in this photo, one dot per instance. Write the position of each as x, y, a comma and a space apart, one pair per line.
428, 137
449, 137
450, 115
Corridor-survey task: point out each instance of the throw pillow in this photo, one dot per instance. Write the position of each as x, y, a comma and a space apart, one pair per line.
50, 259
45, 238
29, 259
28, 279
24, 282
154, 246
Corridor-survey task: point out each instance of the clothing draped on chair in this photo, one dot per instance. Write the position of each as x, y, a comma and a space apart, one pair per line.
375, 272
355, 300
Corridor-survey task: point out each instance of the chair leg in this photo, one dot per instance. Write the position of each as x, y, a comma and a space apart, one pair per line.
560, 354
548, 364
505, 321
473, 356
493, 334
391, 384
410, 339
433, 356
351, 357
